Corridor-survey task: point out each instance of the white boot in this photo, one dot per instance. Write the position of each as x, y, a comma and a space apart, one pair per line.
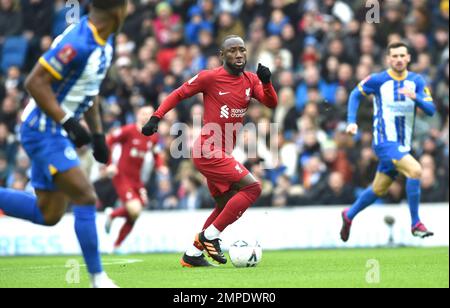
102, 281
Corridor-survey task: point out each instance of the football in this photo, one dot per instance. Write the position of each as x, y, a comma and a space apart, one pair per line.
245, 254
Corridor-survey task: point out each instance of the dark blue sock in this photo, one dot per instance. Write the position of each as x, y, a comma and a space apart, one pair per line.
367, 197
86, 231
20, 205
413, 191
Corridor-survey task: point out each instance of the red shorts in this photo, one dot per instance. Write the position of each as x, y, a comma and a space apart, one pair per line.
221, 173
127, 190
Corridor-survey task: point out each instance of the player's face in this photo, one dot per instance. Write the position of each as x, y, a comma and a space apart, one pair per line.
143, 115
234, 55
399, 59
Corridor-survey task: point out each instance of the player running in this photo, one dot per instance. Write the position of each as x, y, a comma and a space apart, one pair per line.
127, 172
397, 94
227, 92
64, 85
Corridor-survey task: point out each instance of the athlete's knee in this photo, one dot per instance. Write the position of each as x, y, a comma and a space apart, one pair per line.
416, 173
51, 218
52, 210
255, 189
380, 191
134, 209
51, 221
258, 188
88, 197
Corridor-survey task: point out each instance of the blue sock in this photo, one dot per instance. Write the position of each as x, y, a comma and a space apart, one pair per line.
367, 197
20, 205
413, 191
86, 231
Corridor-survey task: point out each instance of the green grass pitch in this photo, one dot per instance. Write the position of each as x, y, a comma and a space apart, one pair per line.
398, 267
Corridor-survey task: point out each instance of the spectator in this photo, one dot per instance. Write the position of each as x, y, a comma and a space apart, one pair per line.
273, 50
317, 50
165, 20
9, 112
277, 22
228, 24
193, 196
336, 161
336, 192
432, 189
8, 144
10, 19
5, 169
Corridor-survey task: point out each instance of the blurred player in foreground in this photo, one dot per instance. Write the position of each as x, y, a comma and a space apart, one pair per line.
64, 86
398, 93
127, 172
227, 92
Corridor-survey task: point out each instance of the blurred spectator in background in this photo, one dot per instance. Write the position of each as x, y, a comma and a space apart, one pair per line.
317, 51
336, 191
11, 23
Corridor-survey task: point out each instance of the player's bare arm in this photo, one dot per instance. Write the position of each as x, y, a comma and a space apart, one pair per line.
39, 85
94, 121
93, 117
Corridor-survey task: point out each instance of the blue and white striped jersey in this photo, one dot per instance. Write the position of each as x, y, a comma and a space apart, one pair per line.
394, 113
78, 60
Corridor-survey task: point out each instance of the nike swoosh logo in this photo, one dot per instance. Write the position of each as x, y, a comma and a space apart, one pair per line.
223, 93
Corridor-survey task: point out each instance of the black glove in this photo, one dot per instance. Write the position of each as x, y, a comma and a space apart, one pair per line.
77, 134
151, 127
101, 150
264, 74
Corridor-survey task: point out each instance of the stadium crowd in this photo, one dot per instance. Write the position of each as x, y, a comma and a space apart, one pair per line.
317, 50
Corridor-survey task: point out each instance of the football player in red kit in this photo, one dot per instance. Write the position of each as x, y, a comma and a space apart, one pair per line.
127, 172
227, 92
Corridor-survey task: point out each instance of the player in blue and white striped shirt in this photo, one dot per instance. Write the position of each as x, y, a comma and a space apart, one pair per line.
397, 95
63, 86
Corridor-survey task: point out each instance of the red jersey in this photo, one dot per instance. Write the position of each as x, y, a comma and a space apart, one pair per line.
226, 100
134, 148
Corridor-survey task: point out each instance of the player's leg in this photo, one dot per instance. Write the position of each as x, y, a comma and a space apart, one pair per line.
21, 205
194, 255
134, 210
378, 189
412, 170
122, 188
249, 190
44, 208
77, 187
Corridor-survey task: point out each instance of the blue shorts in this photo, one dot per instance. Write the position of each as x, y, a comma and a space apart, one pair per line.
387, 153
49, 154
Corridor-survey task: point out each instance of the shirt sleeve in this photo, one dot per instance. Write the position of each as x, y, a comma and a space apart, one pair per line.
424, 99
64, 55
117, 136
368, 86
264, 93
422, 90
193, 86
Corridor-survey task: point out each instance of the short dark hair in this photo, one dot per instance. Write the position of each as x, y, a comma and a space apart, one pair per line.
108, 4
232, 36
397, 45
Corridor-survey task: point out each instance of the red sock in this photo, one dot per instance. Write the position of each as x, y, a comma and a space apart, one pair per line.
124, 232
212, 217
120, 212
208, 223
237, 206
